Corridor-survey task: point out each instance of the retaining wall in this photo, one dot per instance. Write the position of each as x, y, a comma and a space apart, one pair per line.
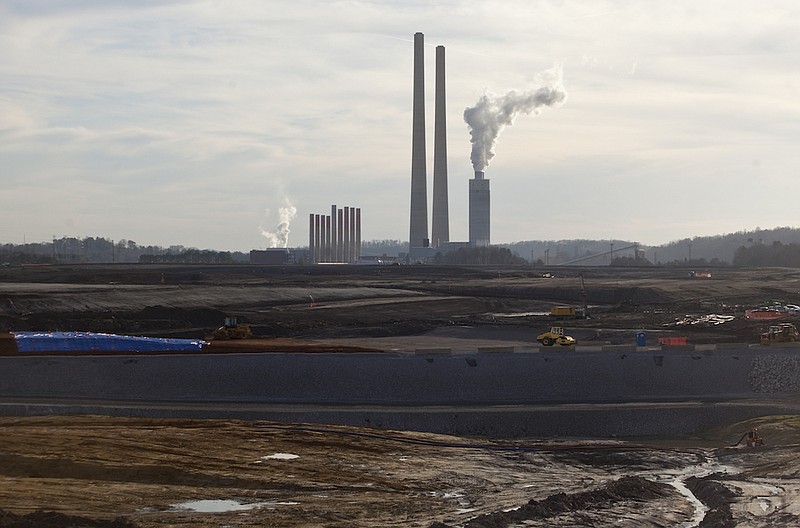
435, 390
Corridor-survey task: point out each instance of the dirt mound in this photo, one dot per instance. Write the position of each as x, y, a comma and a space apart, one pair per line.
717, 497
630, 488
51, 519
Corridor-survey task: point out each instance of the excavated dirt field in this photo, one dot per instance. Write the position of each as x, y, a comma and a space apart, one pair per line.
327, 303
124, 473
63, 471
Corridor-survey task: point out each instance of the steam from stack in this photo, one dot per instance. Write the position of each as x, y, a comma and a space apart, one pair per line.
493, 112
280, 238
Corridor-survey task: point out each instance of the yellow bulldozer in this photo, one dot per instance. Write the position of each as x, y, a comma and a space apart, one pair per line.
780, 333
232, 329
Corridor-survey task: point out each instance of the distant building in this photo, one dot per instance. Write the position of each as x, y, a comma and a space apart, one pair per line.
278, 256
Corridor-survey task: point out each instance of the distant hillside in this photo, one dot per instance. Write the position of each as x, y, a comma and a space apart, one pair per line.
712, 249
763, 247
720, 247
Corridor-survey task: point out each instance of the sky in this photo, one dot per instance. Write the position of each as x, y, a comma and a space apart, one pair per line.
207, 123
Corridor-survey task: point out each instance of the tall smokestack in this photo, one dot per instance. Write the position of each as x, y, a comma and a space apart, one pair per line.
440, 229
418, 234
479, 214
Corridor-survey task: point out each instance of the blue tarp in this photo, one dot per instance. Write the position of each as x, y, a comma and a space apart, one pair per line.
89, 341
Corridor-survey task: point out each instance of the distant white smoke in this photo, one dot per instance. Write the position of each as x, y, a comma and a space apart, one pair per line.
280, 238
494, 112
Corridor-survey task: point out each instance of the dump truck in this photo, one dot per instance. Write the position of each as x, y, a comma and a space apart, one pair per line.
567, 312
555, 336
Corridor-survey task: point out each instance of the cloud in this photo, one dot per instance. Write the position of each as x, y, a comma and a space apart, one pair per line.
172, 118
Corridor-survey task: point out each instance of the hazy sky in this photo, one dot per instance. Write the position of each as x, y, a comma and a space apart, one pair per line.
194, 122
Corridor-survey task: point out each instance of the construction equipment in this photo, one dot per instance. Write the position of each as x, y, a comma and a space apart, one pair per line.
564, 312
232, 329
753, 438
572, 312
585, 306
555, 336
780, 333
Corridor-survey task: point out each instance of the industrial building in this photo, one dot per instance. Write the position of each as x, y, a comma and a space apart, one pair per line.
277, 256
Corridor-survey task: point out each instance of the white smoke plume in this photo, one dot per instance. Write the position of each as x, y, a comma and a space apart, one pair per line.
493, 112
280, 238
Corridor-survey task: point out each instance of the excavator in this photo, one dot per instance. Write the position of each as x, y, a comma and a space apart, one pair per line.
573, 312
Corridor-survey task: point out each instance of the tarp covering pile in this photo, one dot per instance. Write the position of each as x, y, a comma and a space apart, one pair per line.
89, 341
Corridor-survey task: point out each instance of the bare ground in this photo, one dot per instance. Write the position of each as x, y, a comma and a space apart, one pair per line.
158, 473
348, 302
99, 471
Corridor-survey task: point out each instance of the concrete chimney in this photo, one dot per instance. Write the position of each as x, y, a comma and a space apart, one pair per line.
358, 233
479, 213
311, 238
419, 187
440, 228
316, 238
346, 237
340, 236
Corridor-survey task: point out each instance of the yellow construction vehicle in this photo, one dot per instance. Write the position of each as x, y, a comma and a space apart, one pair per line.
780, 333
555, 335
232, 329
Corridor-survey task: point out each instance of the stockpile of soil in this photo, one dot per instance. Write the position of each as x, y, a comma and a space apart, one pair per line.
629, 489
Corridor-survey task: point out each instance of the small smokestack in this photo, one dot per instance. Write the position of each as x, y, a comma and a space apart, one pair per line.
311, 238
340, 236
358, 233
317, 238
479, 211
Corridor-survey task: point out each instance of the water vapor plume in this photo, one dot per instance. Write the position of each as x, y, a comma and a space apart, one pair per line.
280, 237
493, 112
